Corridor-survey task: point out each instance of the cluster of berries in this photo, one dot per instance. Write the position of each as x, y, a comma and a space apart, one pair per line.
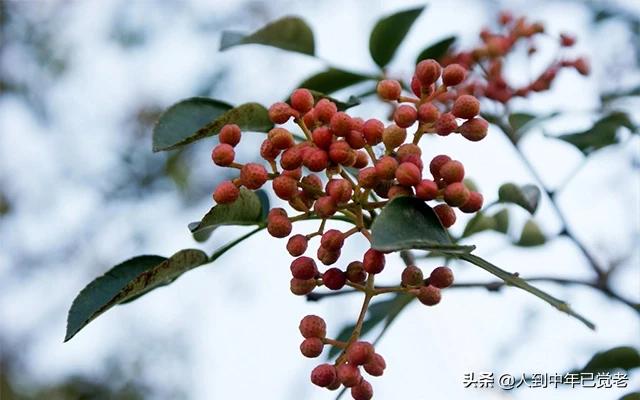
366, 164
496, 46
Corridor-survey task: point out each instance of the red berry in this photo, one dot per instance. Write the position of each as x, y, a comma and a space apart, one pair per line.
456, 194
368, 177
436, 163
474, 129
268, 151
230, 134
397, 190
452, 171
223, 154
405, 116
386, 167
303, 268
582, 66
355, 272
297, 245
332, 239
406, 150
349, 375
334, 279
362, 391
323, 375
253, 176
382, 188
393, 136
372, 131
301, 287
340, 123
340, 152
445, 214
302, 100
285, 187
373, 261
567, 40
291, 159
375, 366
446, 124
473, 204
466, 106
408, 174
312, 326
325, 207
416, 86
453, 74
324, 110
279, 226
429, 295
280, 138
279, 113
316, 160
428, 113
294, 173
412, 276
389, 89
311, 347
340, 190
322, 137
441, 277
359, 353
428, 71
326, 256
226, 192
355, 139
312, 185
309, 119
362, 160
427, 190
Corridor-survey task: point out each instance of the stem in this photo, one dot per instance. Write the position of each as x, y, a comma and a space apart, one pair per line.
369, 293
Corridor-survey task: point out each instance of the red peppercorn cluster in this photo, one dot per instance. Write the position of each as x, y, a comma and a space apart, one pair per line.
347, 167
496, 46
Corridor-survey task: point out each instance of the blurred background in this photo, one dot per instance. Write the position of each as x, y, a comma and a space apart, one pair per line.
81, 84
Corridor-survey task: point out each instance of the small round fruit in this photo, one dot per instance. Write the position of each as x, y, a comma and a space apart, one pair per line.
441, 277
428, 71
386, 167
408, 174
429, 295
323, 375
436, 163
389, 89
285, 187
279, 113
348, 374
223, 155
226, 192
466, 106
456, 194
332, 239
452, 171
446, 124
393, 136
473, 204
325, 207
334, 279
230, 134
453, 74
405, 116
311, 347
297, 245
372, 131
412, 276
359, 353
375, 366
253, 176
304, 268
445, 214
362, 391
313, 326
302, 100
474, 129
355, 272
373, 261
301, 287
427, 190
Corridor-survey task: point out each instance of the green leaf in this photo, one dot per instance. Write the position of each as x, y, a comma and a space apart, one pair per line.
603, 133
126, 281
618, 358
526, 196
519, 120
611, 96
249, 117
287, 33
479, 223
408, 223
502, 220
531, 235
183, 119
515, 280
388, 34
333, 79
248, 209
378, 312
631, 396
437, 50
